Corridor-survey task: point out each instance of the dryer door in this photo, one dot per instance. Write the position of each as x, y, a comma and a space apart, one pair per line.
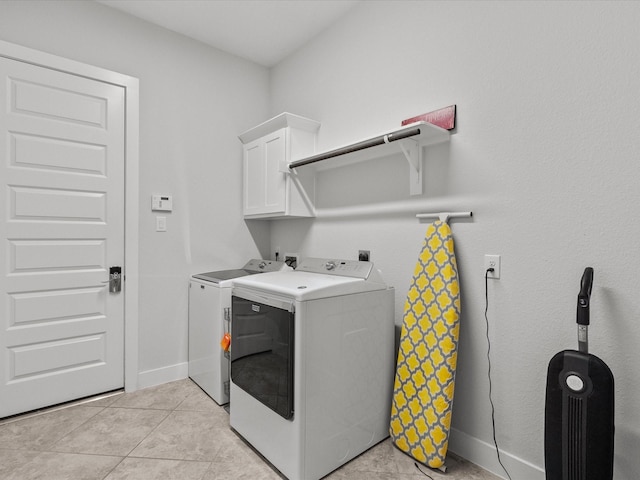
262, 348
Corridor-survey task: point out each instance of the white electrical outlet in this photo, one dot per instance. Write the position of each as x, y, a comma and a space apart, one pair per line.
364, 255
492, 261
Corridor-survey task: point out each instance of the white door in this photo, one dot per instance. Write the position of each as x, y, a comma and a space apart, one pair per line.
61, 228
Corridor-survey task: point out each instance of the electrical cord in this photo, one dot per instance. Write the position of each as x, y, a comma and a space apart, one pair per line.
493, 410
422, 471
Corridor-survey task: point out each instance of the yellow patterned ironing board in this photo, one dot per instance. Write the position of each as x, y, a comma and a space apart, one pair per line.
425, 375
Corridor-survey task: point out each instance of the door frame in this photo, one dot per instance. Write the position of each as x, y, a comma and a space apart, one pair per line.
132, 131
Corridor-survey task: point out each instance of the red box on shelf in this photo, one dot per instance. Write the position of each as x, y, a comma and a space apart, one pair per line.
443, 118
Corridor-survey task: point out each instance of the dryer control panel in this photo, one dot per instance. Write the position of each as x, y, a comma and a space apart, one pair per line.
330, 266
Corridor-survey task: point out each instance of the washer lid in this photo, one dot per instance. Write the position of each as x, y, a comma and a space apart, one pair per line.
251, 267
222, 275
310, 285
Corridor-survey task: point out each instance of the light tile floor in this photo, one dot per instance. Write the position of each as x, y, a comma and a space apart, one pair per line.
172, 431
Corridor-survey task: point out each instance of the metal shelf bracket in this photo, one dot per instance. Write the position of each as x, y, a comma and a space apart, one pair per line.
412, 151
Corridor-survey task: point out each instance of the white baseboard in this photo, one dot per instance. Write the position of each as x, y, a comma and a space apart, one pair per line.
484, 455
158, 376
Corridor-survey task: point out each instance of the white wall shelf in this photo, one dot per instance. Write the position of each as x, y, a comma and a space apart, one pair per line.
409, 140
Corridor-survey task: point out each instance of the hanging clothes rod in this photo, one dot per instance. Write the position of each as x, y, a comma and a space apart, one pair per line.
355, 147
445, 216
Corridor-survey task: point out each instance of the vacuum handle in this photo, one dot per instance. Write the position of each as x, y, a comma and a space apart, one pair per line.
584, 296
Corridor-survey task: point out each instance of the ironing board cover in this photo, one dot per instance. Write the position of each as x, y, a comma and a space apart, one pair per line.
425, 374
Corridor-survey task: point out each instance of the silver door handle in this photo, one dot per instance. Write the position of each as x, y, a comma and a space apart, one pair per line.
115, 280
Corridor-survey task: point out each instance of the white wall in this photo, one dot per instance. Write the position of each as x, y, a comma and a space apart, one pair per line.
546, 155
194, 101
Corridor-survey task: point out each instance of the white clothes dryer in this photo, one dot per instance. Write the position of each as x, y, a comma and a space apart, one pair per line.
312, 364
209, 301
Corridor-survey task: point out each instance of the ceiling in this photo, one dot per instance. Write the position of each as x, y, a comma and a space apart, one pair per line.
263, 31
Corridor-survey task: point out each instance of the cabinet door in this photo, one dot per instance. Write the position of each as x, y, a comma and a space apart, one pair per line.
275, 153
264, 183
254, 178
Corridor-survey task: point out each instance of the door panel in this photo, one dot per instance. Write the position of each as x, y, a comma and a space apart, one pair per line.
46, 357
254, 178
50, 255
50, 306
61, 228
275, 180
31, 151
52, 204
55, 101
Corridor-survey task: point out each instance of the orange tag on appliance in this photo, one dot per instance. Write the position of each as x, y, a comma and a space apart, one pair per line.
225, 342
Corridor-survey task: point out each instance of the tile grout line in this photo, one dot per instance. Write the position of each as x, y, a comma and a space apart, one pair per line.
169, 412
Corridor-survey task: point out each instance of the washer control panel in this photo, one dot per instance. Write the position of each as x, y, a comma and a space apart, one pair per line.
258, 265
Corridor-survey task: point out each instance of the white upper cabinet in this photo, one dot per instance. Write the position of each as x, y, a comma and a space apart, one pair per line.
270, 189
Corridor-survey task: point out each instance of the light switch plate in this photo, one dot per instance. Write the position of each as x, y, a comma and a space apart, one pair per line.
161, 224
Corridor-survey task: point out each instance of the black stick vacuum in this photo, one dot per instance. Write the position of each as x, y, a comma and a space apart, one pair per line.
579, 409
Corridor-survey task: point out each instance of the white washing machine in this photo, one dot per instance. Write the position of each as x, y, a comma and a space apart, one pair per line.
312, 364
209, 299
